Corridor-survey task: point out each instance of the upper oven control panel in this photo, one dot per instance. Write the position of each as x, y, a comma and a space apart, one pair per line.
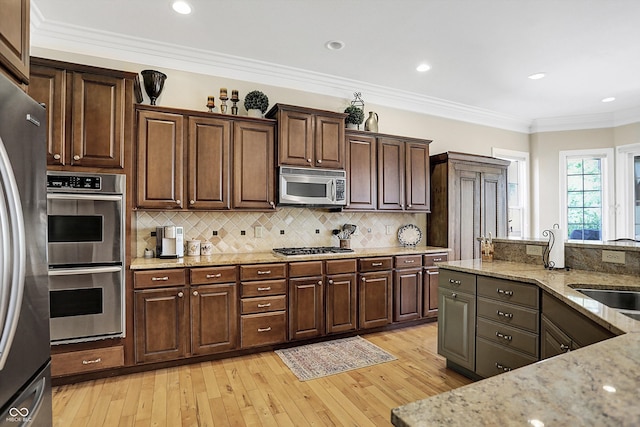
74, 182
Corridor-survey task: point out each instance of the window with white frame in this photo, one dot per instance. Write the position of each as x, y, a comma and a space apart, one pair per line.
517, 190
628, 191
586, 189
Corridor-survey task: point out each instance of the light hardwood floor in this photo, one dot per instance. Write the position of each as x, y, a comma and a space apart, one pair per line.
259, 390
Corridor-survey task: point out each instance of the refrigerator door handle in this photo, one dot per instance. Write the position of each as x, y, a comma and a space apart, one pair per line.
14, 260
25, 409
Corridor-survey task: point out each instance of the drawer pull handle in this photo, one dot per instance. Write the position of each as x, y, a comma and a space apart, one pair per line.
264, 272
455, 282
503, 292
437, 259
264, 305
266, 288
376, 264
91, 362
409, 261
565, 348
503, 314
157, 279
454, 295
214, 276
503, 336
267, 329
502, 367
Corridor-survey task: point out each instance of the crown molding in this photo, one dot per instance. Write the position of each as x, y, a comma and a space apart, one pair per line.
587, 121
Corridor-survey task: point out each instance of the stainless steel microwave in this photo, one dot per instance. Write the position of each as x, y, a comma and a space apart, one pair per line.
312, 187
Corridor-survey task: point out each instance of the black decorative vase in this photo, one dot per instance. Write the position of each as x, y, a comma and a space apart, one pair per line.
153, 83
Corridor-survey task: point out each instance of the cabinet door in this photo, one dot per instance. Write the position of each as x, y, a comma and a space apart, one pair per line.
341, 303
306, 308
375, 299
214, 318
47, 86
456, 327
466, 208
253, 166
295, 139
494, 203
407, 295
552, 340
391, 164
14, 38
161, 324
417, 185
160, 160
430, 292
208, 157
361, 172
329, 142
98, 130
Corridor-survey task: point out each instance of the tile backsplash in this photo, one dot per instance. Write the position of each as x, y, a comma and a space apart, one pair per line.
286, 227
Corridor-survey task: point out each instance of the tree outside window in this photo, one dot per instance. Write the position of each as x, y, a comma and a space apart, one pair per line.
584, 198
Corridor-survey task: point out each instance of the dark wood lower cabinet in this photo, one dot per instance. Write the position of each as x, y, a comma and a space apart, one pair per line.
161, 324
430, 280
306, 307
214, 318
342, 305
407, 298
375, 293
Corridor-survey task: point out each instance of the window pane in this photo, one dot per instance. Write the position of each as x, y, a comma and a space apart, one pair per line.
592, 182
575, 216
513, 197
574, 183
574, 166
575, 199
592, 218
592, 199
592, 166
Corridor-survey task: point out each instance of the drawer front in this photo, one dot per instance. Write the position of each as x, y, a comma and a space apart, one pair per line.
263, 329
78, 362
512, 292
201, 276
263, 288
159, 278
340, 266
408, 261
264, 304
430, 259
508, 336
457, 281
509, 314
305, 269
375, 264
493, 359
263, 271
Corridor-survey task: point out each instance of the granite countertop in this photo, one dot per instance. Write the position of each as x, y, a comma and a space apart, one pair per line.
623, 244
270, 257
596, 385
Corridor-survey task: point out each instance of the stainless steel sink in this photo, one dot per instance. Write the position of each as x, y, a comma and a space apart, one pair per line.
627, 302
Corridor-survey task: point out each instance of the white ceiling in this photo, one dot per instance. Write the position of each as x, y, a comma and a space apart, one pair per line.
480, 51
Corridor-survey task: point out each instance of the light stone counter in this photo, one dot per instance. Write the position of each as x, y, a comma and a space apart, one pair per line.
270, 257
597, 385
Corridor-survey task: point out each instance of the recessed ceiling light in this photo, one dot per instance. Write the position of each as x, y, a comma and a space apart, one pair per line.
609, 99
423, 67
537, 76
182, 7
609, 388
334, 44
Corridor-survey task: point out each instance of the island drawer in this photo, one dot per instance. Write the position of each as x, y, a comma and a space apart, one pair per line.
77, 362
263, 329
493, 359
201, 276
508, 337
509, 314
263, 271
305, 268
376, 264
458, 281
339, 266
509, 291
263, 304
159, 278
264, 287
430, 259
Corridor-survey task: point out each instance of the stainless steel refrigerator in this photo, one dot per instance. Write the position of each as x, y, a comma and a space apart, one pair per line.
25, 372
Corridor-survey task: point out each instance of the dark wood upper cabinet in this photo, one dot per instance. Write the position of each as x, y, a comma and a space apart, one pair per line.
309, 137
391, 166
361, 172
14, 39
417, 188
47, 85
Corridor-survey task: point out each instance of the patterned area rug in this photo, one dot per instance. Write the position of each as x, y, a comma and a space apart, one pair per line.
317, 360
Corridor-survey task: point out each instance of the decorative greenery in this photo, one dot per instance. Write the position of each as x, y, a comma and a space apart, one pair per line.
256, 100
356, 115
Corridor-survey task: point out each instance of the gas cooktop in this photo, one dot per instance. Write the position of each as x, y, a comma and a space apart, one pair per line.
311, 250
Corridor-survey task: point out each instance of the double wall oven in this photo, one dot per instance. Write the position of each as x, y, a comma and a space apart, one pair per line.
86, 255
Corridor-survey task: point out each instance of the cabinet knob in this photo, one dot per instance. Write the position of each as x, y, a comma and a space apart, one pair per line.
273, 205
454, 295
76, 157
57, 156
178, 202
192, 202
319, 160
180, 294
330, 282
308, 160
364, 279
565, 348
319, 282
195, 293
408, 206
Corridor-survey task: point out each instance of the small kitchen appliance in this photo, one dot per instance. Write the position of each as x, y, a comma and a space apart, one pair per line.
312, 187
169, 242
320, 250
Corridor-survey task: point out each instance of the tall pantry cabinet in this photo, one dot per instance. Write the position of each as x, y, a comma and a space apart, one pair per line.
468, 200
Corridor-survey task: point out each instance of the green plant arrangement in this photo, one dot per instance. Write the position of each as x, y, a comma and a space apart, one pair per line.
355, 115
256, 100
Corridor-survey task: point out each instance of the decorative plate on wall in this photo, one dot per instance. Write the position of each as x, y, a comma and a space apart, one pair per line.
409, 235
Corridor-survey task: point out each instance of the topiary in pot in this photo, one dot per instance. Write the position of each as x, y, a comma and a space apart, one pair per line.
256, 100
355, 116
